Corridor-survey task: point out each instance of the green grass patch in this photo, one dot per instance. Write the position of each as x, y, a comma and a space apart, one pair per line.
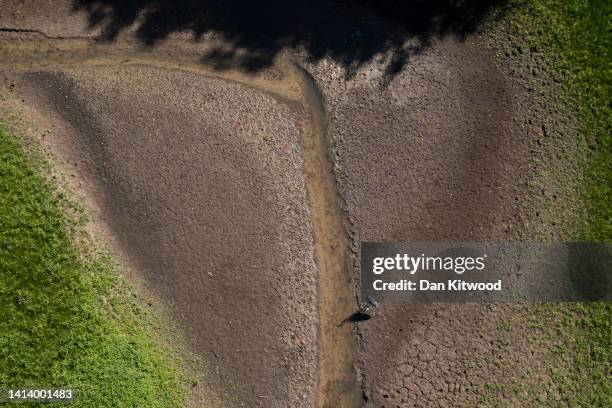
575, 36
593, 333
66, 321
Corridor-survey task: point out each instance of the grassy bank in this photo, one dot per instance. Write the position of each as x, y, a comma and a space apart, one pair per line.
575, 37
65, 321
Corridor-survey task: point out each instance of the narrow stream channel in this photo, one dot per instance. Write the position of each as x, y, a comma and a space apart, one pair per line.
337, 381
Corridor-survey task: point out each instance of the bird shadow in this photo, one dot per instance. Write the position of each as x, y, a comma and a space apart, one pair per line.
355, 318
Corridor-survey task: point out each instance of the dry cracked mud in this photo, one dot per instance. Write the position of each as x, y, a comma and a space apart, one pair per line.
238, 202
441, 152
221, 236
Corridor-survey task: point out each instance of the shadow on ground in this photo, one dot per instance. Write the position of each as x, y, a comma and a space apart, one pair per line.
350, 31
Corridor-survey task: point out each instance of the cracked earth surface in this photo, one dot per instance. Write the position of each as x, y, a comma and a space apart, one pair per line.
201, 179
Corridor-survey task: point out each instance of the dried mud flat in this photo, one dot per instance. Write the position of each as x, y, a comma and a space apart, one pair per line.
444, 151
173, 162
239, 201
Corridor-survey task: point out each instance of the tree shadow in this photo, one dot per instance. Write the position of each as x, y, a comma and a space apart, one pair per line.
351, 32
